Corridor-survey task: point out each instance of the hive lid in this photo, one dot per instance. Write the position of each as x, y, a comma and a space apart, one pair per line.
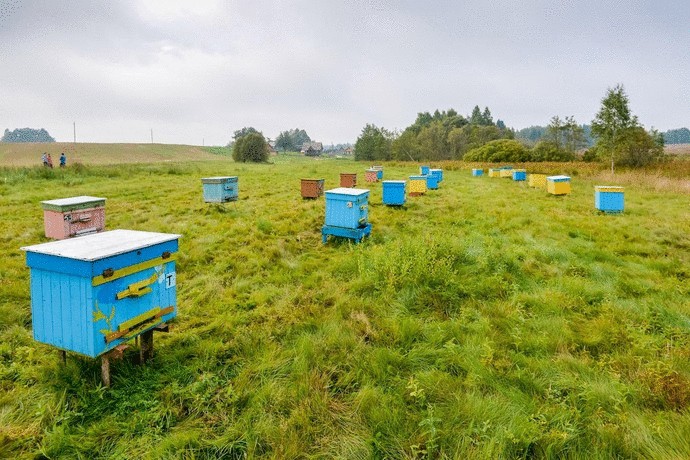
101, 245
437, 169
75, 202
394, 181
218, 179
558, 178
418, 177
348, 191
609, 188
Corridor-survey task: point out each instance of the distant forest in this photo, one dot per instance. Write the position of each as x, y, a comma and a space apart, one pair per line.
27, 135
533, 134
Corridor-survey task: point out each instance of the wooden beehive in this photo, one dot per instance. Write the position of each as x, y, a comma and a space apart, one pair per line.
312, 188
537, 180
75, 216
438, 173
558, 185
477, 172
432, 181
494, 172
348, 180
220, 189
394, 192
417, 185
347, 214
609, 198
371, 175
519, 175
91, 294
424, 170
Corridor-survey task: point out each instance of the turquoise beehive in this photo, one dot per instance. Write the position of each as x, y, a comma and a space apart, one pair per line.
438, 173
347, 213
220, 189
394, 192
91, 294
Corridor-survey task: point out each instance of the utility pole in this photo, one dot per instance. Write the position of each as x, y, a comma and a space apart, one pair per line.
74, 125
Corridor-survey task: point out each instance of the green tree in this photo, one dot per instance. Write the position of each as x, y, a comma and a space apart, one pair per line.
292, 140
251, 147
498, 151
612, 122
27, 135
637, 147
243, 132
405, 147
373, 143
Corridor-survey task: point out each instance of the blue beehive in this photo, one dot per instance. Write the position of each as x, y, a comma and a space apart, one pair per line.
394, 192
609, 198
431, 181
91, 294
347, 213
424, 170
438, 173
519, 175
477, 172
220, 189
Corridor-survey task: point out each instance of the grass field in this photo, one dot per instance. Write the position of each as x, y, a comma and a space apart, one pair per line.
483, 320
29, 154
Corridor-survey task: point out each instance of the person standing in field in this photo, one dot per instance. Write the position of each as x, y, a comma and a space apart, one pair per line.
50, 161
44, 159
63, 160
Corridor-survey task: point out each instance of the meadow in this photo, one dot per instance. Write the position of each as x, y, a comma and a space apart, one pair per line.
485, 319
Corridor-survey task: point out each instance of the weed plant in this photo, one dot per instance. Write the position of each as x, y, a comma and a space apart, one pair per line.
485, 319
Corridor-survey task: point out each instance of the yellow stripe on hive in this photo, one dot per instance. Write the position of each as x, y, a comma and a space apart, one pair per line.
117, 274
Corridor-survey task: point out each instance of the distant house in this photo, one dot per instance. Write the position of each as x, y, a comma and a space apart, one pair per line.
272, 147
312, 149
349, 151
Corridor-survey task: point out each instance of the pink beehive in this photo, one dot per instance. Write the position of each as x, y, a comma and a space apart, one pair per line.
75, 216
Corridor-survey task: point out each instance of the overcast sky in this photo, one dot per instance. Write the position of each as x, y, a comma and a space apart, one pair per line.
195, 71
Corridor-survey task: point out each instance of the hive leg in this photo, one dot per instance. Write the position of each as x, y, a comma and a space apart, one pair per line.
105, 370
146, 348
63, 355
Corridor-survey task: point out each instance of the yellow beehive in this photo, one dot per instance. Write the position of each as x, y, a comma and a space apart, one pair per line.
558, 185
417, 185
507, 173
494, 172
537, 180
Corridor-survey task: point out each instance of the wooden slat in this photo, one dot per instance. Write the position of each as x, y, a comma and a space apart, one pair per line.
117, 274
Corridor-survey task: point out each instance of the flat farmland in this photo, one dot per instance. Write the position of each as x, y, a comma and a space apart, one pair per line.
485, 319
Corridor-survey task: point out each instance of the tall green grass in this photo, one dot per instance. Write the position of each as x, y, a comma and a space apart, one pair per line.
482, 320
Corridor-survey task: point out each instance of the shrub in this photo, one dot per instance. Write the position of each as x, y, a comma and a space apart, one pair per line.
498, 151
251, 147
550, 151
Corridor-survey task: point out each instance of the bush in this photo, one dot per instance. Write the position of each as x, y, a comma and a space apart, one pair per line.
251, 147
550, 151
498, 151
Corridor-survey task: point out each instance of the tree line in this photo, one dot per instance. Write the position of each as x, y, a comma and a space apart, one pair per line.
27, 135
614, 134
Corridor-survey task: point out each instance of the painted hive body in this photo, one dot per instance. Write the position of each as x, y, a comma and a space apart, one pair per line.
394, 192
558, 185
431, 181
90, 294
438, 173
347, 207
424, 170
370, 175
609, 198
75, 216
519, 174
311, 188
379, 171
537, 180
348, 180
477, 172
494, 172
417, 185
220, 189
506, 171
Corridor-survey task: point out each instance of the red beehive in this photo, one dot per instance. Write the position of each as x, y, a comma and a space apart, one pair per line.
75, 216
348, 180
312, 188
